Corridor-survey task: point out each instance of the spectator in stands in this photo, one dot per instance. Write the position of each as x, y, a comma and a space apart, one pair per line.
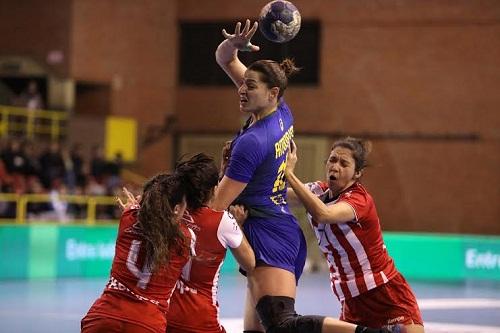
24, 170
79, 165
32, 168
113, 171
52, 165
69, 169
15, 163
30, 98
97, 163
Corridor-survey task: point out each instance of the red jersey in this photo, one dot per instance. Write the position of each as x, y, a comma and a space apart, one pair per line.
355, 251
133, 293
194, 307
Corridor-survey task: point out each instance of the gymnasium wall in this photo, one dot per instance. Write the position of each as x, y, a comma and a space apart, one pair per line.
33, 29
419, 78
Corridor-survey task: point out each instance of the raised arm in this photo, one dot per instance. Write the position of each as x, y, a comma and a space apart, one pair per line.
226, 54
337, 213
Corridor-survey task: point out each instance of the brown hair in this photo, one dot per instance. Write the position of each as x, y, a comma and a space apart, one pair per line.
157, 222
275, 74
199, 176
360, 150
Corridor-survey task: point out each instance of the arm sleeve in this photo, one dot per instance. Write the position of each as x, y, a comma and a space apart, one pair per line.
317, 188
229, 233
246, 156
359, 202
128, 218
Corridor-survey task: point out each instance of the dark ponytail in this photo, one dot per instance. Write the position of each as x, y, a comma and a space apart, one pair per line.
157, 222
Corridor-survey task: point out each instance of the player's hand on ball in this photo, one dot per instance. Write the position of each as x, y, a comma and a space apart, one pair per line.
241, 38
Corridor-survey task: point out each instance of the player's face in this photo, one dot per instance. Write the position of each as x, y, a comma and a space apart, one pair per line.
254, 94
340, 170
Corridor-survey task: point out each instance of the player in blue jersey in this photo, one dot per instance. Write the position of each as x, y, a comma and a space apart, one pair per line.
254, 177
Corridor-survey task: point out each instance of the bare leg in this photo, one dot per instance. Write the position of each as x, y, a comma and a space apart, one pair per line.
267, 280
251, 320
331, 325
414, 328
274, 281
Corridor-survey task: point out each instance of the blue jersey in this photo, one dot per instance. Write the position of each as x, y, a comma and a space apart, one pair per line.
258, 158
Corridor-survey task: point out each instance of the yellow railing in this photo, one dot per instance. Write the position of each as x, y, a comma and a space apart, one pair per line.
91, 203
32, 122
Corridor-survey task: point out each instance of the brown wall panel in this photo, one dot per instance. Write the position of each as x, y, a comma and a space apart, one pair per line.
130, 44
436, 186
32, 28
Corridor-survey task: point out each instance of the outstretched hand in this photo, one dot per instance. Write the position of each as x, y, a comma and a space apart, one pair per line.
132, 201
241, 39
291, 159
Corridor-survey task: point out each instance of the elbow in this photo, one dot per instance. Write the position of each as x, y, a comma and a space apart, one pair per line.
249, 266
322, 217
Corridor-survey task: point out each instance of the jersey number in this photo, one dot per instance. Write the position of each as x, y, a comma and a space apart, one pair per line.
143, 275
279, 183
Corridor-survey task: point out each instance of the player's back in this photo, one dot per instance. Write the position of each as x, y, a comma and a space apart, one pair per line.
194, 306
134, 293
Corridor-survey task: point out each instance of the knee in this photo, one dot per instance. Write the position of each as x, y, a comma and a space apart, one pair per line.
278, 315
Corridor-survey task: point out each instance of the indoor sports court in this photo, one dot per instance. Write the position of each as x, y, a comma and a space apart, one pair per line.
98, 95
58, 306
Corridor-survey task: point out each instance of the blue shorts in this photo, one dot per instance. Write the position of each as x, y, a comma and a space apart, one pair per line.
277, 242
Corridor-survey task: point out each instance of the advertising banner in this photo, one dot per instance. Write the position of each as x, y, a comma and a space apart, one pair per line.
482, 258
53, 251
14, 252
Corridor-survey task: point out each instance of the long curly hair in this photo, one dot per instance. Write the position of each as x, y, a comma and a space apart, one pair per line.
157, 222
199, 176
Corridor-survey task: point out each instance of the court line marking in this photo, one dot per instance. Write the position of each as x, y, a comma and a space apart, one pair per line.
236, 325
457, 303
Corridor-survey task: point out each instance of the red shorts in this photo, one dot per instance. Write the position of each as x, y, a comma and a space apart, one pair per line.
389, 304
171, 329
111, 325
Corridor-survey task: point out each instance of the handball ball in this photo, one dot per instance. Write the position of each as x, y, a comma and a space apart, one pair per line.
279, 21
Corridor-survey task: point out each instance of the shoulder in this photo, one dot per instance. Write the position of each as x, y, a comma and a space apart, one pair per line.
252, 136
253, 141
129, 217
229, 232
283, 106
317, 187
358, 197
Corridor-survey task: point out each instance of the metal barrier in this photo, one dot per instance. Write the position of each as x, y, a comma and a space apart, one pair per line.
32, 122
91, 203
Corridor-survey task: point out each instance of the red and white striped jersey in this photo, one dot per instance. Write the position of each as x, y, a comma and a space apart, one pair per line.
194, 306
355, 251
134, 293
